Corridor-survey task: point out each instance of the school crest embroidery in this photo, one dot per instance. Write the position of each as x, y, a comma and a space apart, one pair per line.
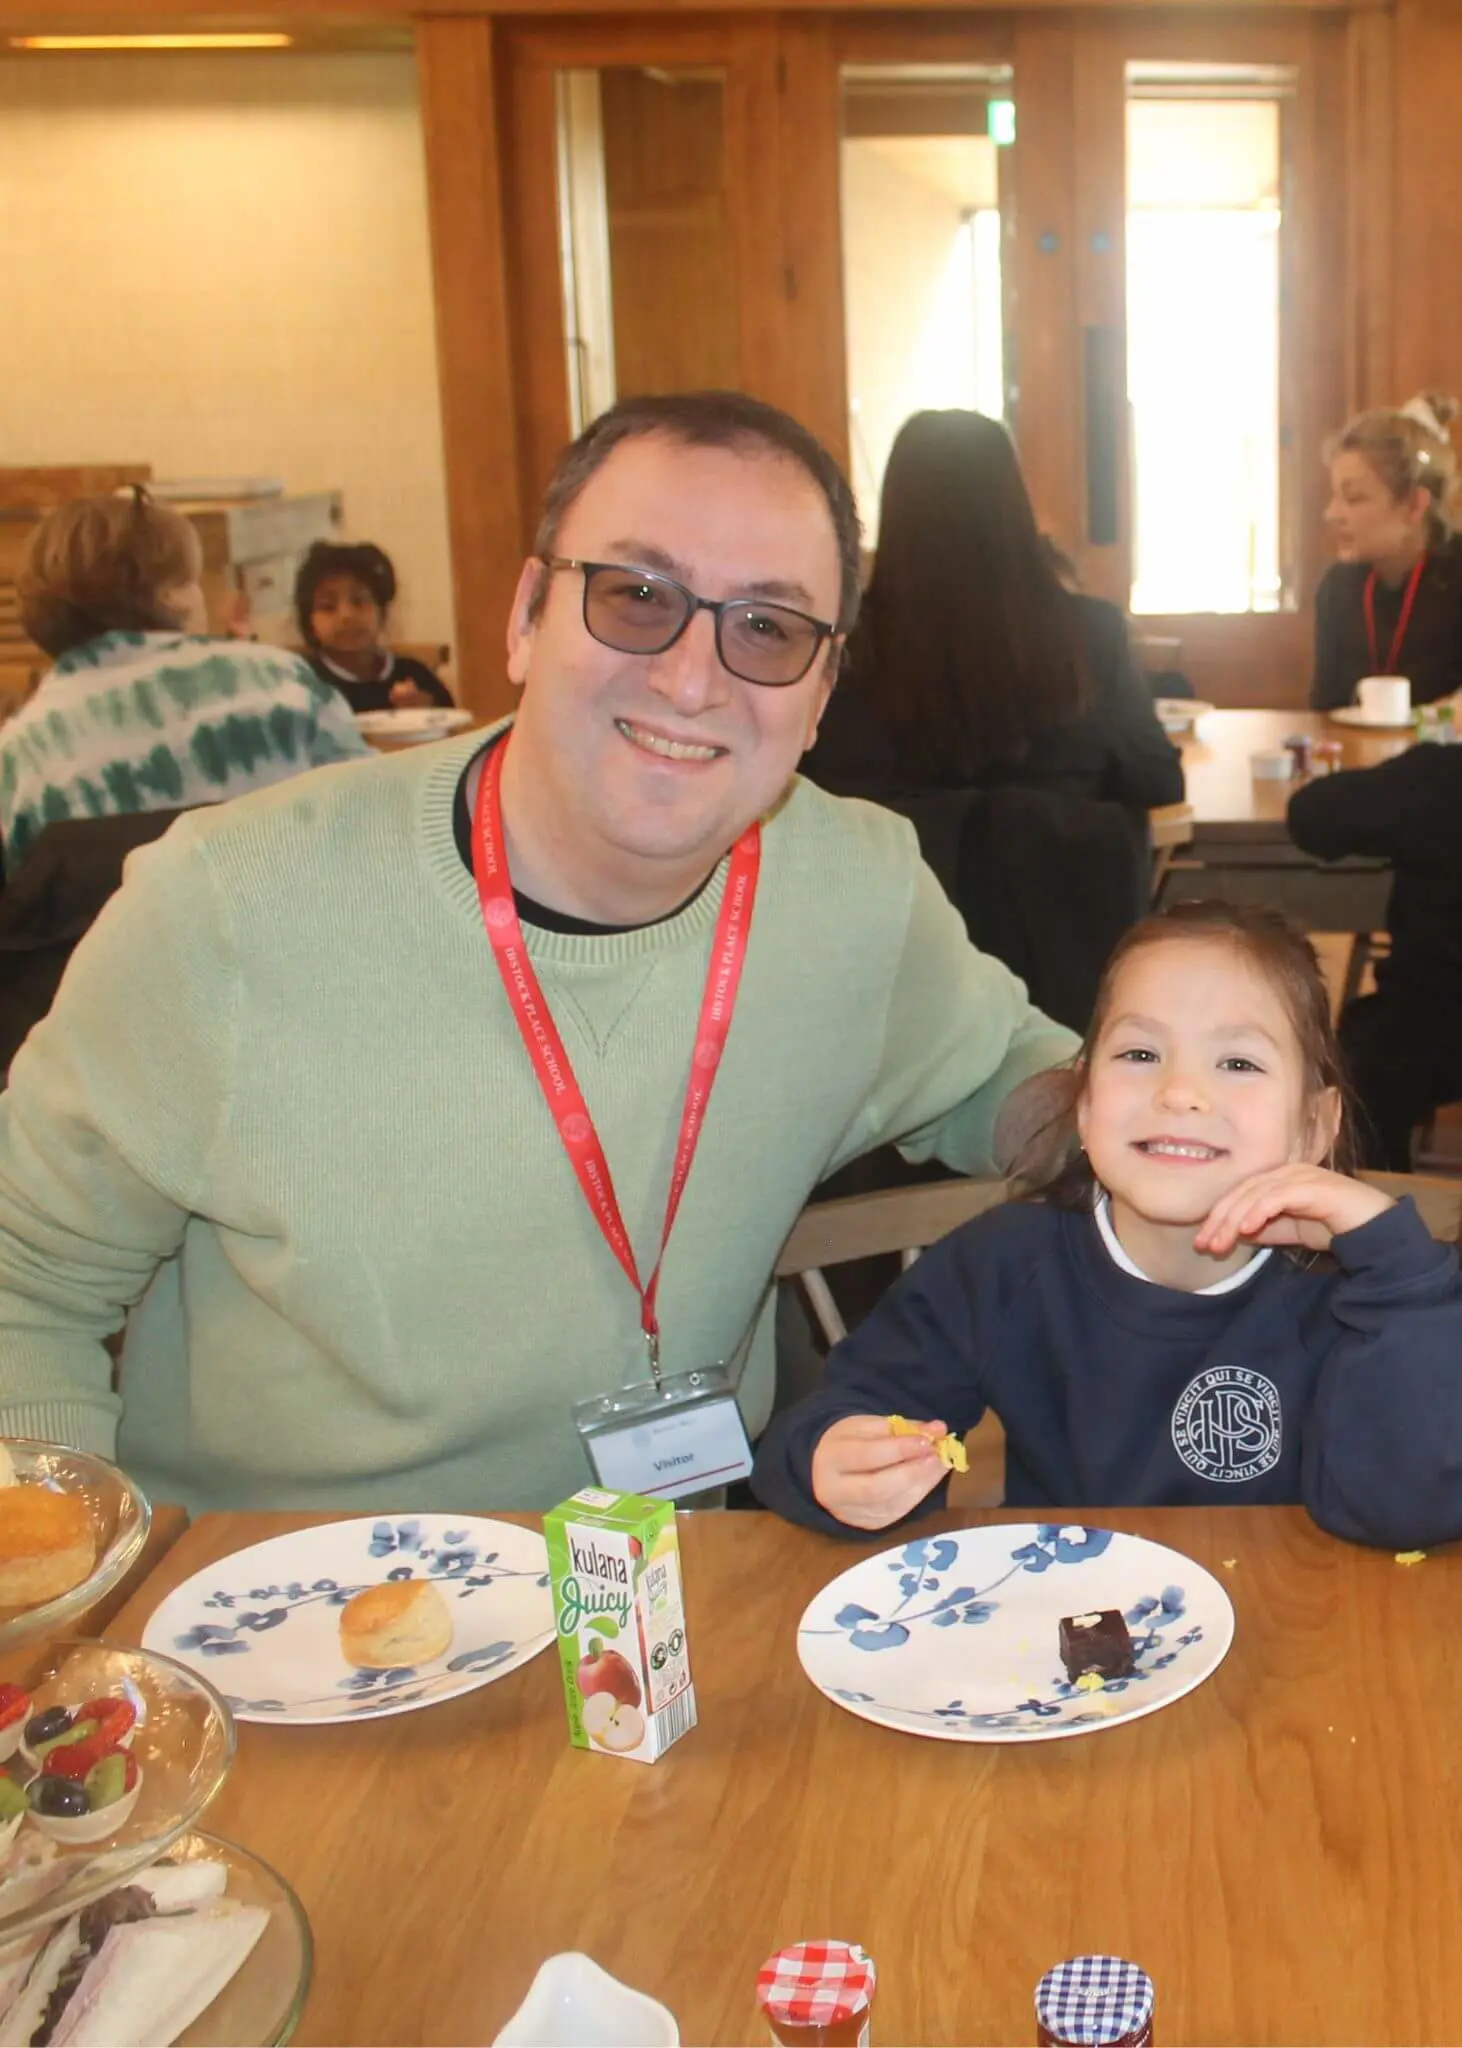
1228, 1425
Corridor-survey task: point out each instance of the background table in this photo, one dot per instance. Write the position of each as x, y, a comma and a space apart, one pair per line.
1281, 1849
1236, 842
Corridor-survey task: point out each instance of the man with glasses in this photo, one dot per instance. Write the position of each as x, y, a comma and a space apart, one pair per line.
418, 1104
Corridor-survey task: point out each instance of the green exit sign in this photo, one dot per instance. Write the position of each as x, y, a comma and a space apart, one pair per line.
1000, 122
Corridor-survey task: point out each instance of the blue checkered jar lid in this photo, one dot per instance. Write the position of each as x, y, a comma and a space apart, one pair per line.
1095, 2002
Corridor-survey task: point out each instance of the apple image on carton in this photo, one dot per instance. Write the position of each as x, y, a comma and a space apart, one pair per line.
607, 1671
611, 1695
612, 1723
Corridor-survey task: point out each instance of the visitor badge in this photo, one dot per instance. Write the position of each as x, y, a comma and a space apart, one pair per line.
682, 1434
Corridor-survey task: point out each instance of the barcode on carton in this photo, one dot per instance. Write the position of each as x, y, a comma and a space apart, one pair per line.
676, 1719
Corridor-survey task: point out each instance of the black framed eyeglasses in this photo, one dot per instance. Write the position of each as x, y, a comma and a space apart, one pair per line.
636, 611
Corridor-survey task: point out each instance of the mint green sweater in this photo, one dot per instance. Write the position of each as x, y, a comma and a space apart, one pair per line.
281, 1107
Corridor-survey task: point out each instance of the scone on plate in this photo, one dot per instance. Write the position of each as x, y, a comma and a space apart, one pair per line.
47, 1544
406, 1621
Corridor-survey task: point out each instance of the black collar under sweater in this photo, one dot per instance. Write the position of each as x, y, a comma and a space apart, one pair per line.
540, 915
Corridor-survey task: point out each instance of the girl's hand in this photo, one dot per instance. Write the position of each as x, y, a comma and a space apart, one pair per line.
406, 696
868, 1478
1289, 1205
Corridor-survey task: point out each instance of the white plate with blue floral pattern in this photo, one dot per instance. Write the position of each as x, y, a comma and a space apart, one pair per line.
955, 1636
263, 1626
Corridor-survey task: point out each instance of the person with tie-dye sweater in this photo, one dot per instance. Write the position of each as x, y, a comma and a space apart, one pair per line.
141, 711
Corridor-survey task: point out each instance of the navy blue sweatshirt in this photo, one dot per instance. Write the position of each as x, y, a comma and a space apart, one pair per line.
1340, 1389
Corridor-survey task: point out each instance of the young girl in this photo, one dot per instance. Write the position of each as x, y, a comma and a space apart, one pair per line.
1157, 1330
341, 597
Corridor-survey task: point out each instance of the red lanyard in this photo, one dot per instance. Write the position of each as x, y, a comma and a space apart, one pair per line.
1398, 638
551, 1061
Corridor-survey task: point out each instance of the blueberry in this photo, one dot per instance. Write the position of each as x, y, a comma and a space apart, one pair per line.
47, 1726
58, 1798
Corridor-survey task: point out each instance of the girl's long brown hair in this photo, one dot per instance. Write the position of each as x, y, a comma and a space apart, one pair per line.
968, 644
1280, 954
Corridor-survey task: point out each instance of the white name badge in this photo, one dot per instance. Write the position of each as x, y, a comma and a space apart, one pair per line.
683, 1436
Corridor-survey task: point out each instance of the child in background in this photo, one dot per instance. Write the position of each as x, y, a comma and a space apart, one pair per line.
342, 595
1154, 1330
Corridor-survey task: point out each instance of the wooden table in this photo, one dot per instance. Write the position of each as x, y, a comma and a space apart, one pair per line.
1281, 1850
1237, 843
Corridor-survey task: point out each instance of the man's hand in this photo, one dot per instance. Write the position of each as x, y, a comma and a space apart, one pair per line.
867, 1478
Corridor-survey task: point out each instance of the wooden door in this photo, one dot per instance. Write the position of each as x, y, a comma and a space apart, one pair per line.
642, 217
719, 156
1092, 78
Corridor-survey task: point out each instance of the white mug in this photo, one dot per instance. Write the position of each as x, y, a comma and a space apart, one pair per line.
1386, 699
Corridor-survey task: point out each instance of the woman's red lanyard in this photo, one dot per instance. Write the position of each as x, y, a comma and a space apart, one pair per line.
546, 1048
1398, 638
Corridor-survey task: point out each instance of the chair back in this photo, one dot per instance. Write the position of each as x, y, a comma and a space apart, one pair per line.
56, 895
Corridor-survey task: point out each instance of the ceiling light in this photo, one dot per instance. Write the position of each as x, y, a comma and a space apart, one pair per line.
173, 42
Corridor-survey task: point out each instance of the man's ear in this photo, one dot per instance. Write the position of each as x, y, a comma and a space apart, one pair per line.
522, 619
1325, 1120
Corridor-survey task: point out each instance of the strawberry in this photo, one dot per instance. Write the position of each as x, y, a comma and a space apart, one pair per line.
113, 1716
14, 1705
75, 1759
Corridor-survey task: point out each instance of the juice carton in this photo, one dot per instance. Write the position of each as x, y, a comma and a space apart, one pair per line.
615, 1563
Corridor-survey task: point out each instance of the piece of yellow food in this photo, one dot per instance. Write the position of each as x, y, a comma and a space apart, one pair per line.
1410, 1556
952, 1453
1089, 1681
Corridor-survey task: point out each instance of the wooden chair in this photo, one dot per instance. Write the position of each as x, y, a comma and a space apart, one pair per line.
905, 1220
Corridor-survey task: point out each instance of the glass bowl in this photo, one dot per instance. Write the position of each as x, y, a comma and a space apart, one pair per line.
120, 1517
261, 2003
261, 2006
183, 1739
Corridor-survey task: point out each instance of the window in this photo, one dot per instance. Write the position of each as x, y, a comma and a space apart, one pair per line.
1204, 222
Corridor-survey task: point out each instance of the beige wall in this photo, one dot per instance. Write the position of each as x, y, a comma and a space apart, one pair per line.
220, 265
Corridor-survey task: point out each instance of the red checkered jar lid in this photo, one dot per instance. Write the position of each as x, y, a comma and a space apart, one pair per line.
1095, 2002
816, 1983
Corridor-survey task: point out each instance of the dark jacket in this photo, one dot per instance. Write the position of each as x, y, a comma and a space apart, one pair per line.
1338, 1389
1115, 751
376, 696
1430, 654
1046, 880
1409, 812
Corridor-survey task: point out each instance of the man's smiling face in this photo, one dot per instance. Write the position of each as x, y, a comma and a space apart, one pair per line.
667, 758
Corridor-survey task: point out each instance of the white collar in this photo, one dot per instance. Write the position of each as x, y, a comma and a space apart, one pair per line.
1119, 1258
346, 675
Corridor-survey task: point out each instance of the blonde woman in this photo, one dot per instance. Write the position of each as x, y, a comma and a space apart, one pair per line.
1392, 604
141, 710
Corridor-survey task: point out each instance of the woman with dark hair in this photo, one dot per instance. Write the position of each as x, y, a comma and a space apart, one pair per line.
342, 595
1001, 713
971, 665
